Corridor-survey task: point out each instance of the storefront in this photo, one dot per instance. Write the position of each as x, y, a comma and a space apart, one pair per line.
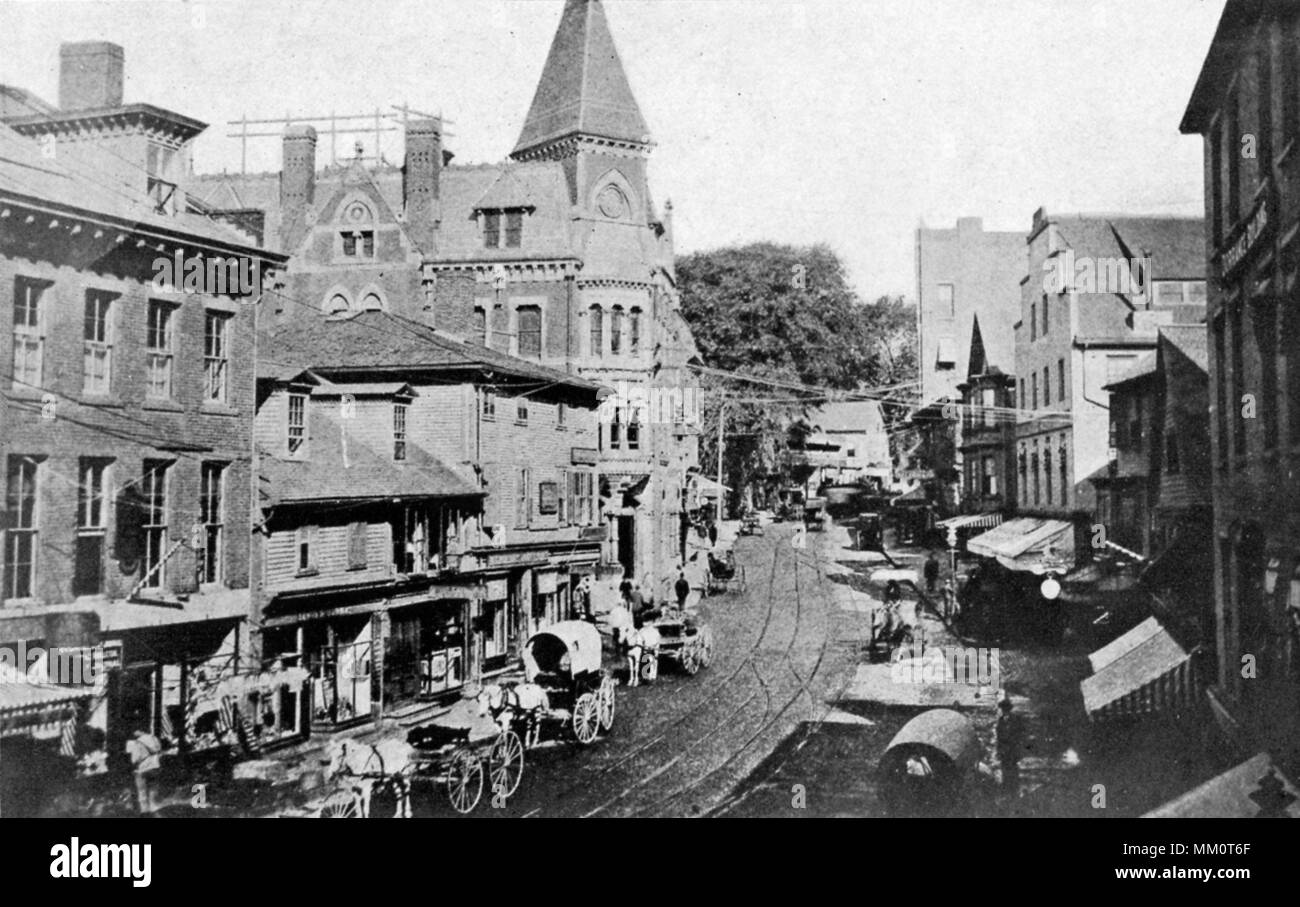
338, 654
425, 650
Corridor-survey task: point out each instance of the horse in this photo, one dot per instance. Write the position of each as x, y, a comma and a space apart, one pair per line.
389, 763
509, 703
638, 644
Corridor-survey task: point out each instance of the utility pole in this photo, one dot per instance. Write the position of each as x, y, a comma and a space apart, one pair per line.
722, 421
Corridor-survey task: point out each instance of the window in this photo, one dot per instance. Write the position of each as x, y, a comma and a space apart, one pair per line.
530, 331
216, 355
1033, 465
1047, 472
337, 303
616, 330
1047, 386
478, 327
359, 244
491, 229
947, 301
399, 431
634, 432
634, 331
28, 343
521, 409
357, 536
562, 499
988, 397
306, 543
1045, 320
1033, 321
212, 518
990, 477
489, 403
153, 488
160, 183
372, 303
97, 345
514, 228
1263, 318
159, 343
87, 577
582, 494
1237, 340
1033, 390
559, 415
616, 430
597, 331
1065, 475
1024, 400
524, 498
21, 529
1060, 381
297, 422
1172, 463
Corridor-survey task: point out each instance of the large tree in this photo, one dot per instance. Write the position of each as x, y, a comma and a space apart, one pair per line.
788, 315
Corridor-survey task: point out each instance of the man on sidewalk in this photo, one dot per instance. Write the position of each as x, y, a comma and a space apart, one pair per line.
1010, 742
931, 572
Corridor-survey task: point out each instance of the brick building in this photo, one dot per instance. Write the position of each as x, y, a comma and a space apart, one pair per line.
1249, 86
428, 504
127, 406
558, 256
1095, 291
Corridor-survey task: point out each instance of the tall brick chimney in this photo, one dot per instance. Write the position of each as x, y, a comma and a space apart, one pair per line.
90, 75
298, 168
420, 178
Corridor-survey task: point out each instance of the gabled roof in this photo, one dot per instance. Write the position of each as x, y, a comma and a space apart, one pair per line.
583, 89
375, 342
1176, 244
1189, 339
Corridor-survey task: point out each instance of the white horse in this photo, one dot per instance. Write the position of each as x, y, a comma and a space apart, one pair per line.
387, 763
509, 703
639, 644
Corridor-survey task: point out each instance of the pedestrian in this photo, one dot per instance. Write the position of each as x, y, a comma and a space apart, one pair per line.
713, 534
931, 572
145, 752
949, 599
1010, 740
682, 588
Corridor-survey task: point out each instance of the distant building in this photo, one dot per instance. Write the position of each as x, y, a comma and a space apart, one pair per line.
987, 452
962, 274
1095, 291
847, 443
1249, 85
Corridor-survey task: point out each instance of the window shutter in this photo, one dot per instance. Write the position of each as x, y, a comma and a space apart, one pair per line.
357, 545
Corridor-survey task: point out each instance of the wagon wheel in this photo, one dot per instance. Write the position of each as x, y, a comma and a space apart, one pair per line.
706, 647
586, 718
339, 805
606, 696
690, 661
650, 667
506, 764
464, 781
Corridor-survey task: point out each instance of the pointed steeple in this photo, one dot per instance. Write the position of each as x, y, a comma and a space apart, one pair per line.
583, 90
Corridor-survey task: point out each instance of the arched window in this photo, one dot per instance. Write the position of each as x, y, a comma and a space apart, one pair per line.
616, 330
634, 431
597, 331
337, 302
530, 331
616, 431
634, 331
372, 303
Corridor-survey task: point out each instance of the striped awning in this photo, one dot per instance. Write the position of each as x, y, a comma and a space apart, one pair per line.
38, 710
1142, 672
1028, 544
972, 521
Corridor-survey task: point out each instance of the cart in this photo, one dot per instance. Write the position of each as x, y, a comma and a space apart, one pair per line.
725, 575
683, 641
814, 514
565, 659
750, 524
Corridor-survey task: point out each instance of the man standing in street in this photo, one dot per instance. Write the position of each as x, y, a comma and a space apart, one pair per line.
931, 572
682, 588
145, 752
1010, 740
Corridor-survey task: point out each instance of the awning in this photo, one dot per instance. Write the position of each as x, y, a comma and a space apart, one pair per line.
704, 487
1028, 544
1255, 786
950, 733
1143, 671
971, 521
38, 710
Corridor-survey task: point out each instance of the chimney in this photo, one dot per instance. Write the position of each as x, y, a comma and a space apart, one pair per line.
90, 75
420, 177
298, 170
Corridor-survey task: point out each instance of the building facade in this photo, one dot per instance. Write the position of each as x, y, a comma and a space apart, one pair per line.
987, 452
1248, 85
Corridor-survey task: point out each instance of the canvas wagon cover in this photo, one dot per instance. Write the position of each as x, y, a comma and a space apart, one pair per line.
578, 638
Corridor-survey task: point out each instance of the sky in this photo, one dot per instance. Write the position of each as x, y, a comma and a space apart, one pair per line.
846, 122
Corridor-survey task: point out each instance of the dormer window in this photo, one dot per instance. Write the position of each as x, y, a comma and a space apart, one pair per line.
359, 244
503, 229
297, 423
161, 185
399, 431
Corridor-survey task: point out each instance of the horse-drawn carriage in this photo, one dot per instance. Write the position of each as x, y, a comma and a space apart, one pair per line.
565, 661
681, 640
725, 574
431, 757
